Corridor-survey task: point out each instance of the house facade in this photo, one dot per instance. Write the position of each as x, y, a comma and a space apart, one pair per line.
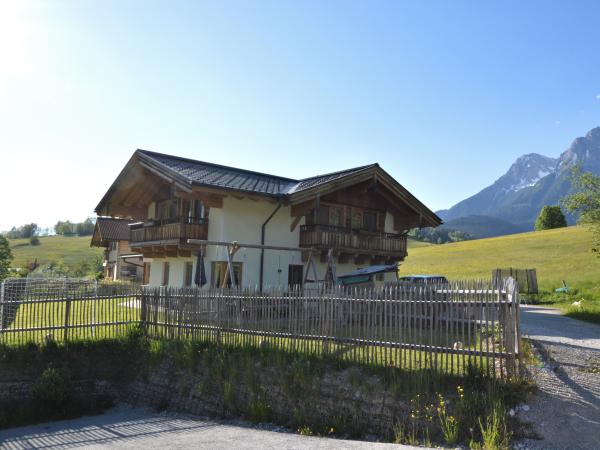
354, 218
120, 262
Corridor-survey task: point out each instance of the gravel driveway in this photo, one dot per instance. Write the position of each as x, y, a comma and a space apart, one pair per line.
133, 428
566, 411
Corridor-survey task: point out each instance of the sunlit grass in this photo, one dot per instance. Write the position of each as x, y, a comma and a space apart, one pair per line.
557, 255
71, 250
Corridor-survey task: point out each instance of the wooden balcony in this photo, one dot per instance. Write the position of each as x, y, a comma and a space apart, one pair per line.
168, 235
355, 243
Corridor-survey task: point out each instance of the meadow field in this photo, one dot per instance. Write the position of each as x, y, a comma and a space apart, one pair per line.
560, 254
69, 249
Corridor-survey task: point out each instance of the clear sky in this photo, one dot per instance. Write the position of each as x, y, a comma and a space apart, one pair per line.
444, 95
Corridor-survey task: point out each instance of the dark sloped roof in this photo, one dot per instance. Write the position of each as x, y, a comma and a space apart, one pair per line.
311, 182
199, 172
110, 229
185, 173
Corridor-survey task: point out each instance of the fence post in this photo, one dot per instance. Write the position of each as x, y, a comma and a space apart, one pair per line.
518, 331
94, 308
143, 311
67, 313
2, 305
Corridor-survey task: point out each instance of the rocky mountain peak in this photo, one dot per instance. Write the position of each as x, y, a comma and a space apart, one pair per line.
527, 170
532, 181
584, 151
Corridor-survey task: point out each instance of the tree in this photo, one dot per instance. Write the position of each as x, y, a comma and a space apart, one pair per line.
25, 232
586, 202
65, 228
5, 257
85, 228
550, 217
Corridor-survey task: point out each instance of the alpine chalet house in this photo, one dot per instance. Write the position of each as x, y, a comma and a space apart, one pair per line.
354, 218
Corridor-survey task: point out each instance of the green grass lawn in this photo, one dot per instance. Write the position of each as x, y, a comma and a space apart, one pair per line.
71, 250
561, 254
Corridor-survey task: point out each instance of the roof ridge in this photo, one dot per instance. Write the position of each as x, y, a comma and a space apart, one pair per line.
220, 166
352, 169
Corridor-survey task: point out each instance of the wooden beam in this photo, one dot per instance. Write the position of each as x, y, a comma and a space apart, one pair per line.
295, 223
126, 212
302, 209
209, 200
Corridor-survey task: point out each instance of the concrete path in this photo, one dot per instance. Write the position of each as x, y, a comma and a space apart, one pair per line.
133, 428
565, 413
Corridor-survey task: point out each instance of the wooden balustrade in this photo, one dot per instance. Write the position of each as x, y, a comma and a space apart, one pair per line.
158, 232
326, 236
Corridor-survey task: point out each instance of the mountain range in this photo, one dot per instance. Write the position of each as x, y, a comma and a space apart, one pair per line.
512, 203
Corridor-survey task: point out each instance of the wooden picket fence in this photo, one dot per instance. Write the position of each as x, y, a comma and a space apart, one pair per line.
446, 328
525, 278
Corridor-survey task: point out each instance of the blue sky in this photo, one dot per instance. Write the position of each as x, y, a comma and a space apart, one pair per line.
444, 95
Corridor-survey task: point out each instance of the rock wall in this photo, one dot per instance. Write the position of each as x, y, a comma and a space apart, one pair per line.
345, 401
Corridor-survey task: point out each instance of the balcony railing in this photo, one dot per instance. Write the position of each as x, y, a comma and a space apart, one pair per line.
180, 229
327, 236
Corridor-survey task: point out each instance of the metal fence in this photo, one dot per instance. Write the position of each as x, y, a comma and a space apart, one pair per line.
38, 309
441, 327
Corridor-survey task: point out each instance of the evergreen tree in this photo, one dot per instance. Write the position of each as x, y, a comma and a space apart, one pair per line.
550, 217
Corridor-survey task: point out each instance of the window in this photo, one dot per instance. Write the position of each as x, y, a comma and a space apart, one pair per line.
198, 210
167, 210
323, 215
336, 216
147, 272
219, 269
187, 273
357, 218
165, 280
370, 221
295, 274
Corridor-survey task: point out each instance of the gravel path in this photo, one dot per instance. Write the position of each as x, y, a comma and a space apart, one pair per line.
565, 412
133, 428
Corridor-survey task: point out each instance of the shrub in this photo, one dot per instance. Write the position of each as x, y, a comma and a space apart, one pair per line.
52, 391
34, 240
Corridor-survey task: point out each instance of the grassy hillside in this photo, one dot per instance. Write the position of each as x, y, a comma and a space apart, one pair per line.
556, 254
71, 250
412, 243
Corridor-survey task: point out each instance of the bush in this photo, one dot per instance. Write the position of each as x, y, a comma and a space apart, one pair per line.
52, 391
34, 240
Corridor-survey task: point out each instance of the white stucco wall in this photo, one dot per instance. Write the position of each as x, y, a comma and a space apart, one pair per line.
241, 220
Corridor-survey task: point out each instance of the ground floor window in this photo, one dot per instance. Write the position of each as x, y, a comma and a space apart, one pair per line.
219, 269
187, 274
295, 274
165, 277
